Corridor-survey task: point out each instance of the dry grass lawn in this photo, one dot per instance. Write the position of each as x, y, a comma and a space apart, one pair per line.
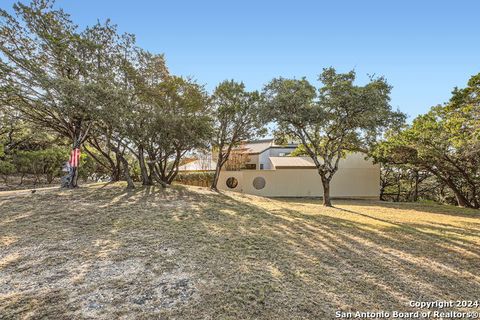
187, 253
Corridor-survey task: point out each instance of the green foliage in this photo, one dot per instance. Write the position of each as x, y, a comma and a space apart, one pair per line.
62, 87
173, 120
6, 168
90, 168
237, 117
50, 161
409, 184
47, 162
27, 150
45, 69
80, 83
57, 76
340, 117
203, 179
237, 114
444, 142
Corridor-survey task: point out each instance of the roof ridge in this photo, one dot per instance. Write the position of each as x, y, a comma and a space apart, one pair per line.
259, 140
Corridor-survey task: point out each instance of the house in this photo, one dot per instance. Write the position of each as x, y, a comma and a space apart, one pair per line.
269, 170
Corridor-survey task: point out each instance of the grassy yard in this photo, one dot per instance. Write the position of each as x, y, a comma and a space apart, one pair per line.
185, 252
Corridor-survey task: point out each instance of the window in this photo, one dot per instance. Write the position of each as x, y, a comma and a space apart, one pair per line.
232, 182
261, 166
259, 183
250, 166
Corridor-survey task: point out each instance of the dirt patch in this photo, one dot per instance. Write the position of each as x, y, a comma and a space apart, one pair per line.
187, 253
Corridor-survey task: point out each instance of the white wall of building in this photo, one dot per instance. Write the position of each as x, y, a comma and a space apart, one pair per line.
356, 178
263, 158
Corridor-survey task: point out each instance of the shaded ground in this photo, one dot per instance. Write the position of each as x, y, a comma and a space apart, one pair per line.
184, 252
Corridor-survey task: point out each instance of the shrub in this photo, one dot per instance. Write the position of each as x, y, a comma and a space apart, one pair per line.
202, 179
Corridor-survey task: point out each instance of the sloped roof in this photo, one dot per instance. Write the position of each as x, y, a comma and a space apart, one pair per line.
257, 146
199, 165
292, 162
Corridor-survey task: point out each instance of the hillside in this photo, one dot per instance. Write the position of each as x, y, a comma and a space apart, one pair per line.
186, 252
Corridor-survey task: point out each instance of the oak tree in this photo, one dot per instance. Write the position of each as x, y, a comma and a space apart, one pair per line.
237, 117
337, 118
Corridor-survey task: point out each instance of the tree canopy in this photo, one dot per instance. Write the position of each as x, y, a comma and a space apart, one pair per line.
444, 142
337, 118
52, 72
237, 117
101, 91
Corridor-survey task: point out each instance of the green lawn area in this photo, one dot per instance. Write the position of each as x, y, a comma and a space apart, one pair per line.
188, 253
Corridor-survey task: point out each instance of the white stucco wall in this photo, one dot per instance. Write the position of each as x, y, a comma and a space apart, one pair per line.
263, 158
356, 178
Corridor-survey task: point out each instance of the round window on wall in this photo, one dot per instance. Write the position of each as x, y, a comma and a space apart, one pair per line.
259, 183
232, 182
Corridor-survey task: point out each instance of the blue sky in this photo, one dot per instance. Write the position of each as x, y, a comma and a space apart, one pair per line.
423, 48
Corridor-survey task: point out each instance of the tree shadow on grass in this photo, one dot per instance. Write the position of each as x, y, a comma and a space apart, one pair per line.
404, 252
228, 255
417, 206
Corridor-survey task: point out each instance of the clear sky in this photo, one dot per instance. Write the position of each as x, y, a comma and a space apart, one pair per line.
424, 48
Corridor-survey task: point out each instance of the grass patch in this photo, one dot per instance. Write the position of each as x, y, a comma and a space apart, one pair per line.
185, 252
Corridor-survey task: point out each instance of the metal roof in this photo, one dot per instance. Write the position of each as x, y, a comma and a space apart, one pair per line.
292, 162
257, 146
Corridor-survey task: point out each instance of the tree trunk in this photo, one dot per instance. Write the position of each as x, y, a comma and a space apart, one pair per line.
74, 180
476, 203
74, 173
115, 174
112, 165
158, 173
462, 201
50, 178
152, 175
415, 192
78, 138
326, 192
126, 172
162, 183
146, 178
383, 185
216, 176
399, 191
173, 175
